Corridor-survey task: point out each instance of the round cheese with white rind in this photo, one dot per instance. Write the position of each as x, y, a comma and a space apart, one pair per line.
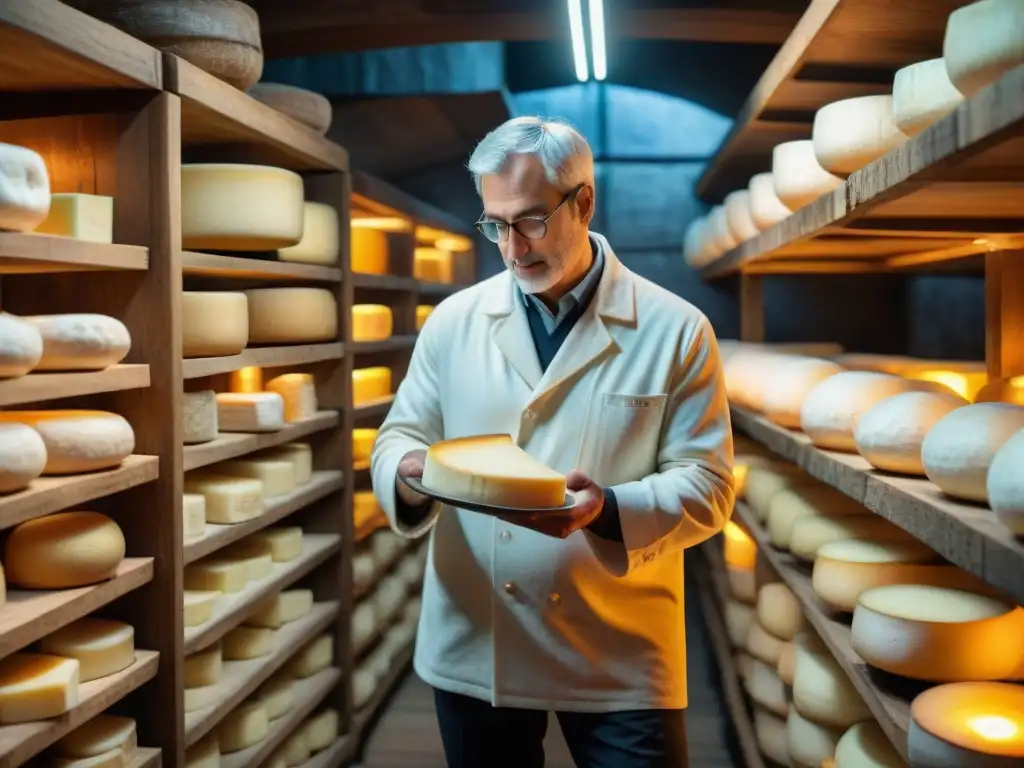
762, 644
792, 504
779, 611
766, 209
797, 176
21, 346
984, 41
292, 315
787, 385
922, 94
24, 189
722, 239
812, 532
738, 618
103, 647
960, 448
766, 689
865, 745
1005, 484
770, 730
742, 584
890, 434
763, 483
738, 216
832, 409
694, 253
822, 692
787, 663
307, 107
320, 243
22, 457
80, 342
808, 742
213, 323
63, 551
97, 736
938, 634
78, 441
851, 133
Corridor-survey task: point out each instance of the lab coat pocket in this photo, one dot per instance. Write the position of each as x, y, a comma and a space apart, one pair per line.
621, 443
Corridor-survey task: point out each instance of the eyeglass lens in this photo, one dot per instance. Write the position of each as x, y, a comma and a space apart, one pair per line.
530, 228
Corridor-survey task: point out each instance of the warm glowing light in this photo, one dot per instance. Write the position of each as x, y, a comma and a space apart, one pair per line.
1002, 391
247, 380
432, 265
984, 719
579, 49
740, 550
966, 385
454, 243
381, 223
993, 727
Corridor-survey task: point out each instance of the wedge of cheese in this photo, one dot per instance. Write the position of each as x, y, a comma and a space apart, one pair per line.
491, 469
298, 391
35, 686
82, 217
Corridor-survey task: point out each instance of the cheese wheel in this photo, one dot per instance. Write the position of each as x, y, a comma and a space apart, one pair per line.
811, 532
364, 623
320, 243
864, 745
1005, 484
432, 265
371, 322
244, 726
742, 584
738, 216
199, 417
922, 93
36, 686
204, 754
63, 550
766, 209
960, 448
792, 504
772, 739
739, 550
968, 724
313, 657
1002, 391
972, 67
694, 253
808, 742
203, 668
363, 439
21, 344
78, 441
934, 633
213, 324
720, 237
763, 483
298, 391
797, 176
423, 311
766, 689
779, 611
787, 386
80, 342
81, 217
98, 736
787, 663
851, 133
822, 692
368, 250
24, 188
307, 107
244, 643
283, 608
890, 434
197, 606
101, 646
364, 685
22, 456
295, 749
321, 730
277, 695
762, 644
292, 315
832, 409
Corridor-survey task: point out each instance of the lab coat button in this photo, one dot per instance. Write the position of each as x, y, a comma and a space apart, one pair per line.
505, 535
510, 587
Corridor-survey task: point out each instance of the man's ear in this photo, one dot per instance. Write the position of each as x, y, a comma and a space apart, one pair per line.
585, 204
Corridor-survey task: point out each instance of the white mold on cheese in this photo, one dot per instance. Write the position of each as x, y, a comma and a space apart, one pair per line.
890, 434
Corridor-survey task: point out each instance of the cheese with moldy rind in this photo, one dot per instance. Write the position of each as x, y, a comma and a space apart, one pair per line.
203, 668
865, 745
787, 663
193, 509
228, 499
762, 644
947, 725
719, 234
216, 574
235, 207
204, 754
98, 736
742, 583
322, 730
277, 476
1000, 24
797, 176
362, 443
960, 448
922, 93
245, 725
213, 323
368, 251
78, 441
788, 384
810, 533
243, 643
283, 608
1005, 484
793, 504
24, 188
102, 647
199, 417
292, 315
255, 412
934, 633
763, 685
822, 692
770, 730
738, 216
423, 311
766, 209
313, 657
832, 409
80, 342
890, 434
198, 606
82, 217
36, 686
319, 243
778, 611
808, 742
21, 346
372, 322
63, 550
22, 457
851, 133
491, 469
298, 390
299, 454
281, 543
277, 695
432, 265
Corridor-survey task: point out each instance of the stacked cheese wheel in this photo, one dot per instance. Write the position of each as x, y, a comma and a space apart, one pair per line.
60, 343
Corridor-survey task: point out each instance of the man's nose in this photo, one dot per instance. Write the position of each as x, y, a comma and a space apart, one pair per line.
517, 245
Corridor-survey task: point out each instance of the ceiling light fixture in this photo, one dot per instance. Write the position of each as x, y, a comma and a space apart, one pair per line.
597, 48
579, 49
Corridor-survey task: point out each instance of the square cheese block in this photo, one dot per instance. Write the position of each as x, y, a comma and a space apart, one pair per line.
277, 695
250, 412
199, 417
363, 439
372, 322
282, 543
432, 265
423, 311
314, 657
227, 499
257, 566
243, 643
368, 253
370, 384
322, 730
193, 510
35, 686
83, 217
205, 667
298, 390
217, 574
246, 381
276, 475
299, 454
244, 726
101, 646
283, 608
198, 607
204, 754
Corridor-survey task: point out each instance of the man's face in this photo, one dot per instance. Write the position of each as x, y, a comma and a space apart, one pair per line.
522, 189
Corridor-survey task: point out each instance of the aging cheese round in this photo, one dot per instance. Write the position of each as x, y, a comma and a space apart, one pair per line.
972, 64
233, 207
213, 323
720, 237
369, 251
21, 345
811, 532
432, 265
371, 322
22, 456
694, 253
793, 504
199, 417
197, 607
103, 647
742, 584
766, 689
1005, 484
320, 243
245, 725
292, 315
934, 633
787, 385
204, 753
808, 742
778, 611
766, 209
307, 107
822, 692
78, 441
738, 216
787, 663
102, 734
797, 176
851, 133
24, 189
80, 342
772, 739
890, 434
63, 550
922, 93
277, 695
762, 644
203, 668
864, 745
960, 448
762, 483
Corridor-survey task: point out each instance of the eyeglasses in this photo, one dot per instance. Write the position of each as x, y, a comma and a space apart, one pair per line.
530, 227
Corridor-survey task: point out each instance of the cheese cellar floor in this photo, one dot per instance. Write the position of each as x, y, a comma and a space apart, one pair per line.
406, 735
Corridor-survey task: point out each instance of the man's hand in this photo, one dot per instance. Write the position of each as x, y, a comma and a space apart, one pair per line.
589, 503
411, 465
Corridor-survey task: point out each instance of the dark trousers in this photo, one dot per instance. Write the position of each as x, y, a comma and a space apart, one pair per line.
477, 735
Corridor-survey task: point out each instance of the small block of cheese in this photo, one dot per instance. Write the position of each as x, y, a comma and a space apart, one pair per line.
213, 323
78, 441
851, 133
808, 742
102, 647
21, 346
922, 93
63, 550
193, 509
199, 417
315, 656
22, 456
83, 217
277, 695
369, 384
244, 726
217, 574
772, 738
80, 342
972, 67
202, 698
292, 315
299, 454
778, 611
797, 176
491, 469
228, 499
432, 265
363, 439
371, 322
765, 207
1005, 484
298, 390
36, 686
99, 736
203, 668
257, 412
24, 188
369, 251
766, 689
295, 750
738, 216
204, 754
198, 607
322, 730
283, 543
423, 311
865, 744
276, 475
319, 243
257, 566
243, 643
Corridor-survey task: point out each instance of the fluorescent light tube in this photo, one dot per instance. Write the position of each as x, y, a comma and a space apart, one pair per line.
597, 47
579, 50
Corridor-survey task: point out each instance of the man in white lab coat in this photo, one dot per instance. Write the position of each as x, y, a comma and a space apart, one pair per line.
617, 383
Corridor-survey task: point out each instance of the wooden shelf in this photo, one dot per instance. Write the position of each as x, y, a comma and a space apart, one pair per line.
19, 743
230, 445
36, 387
216, 536
232, 609
50, 47
950, 194
838, 50
398, 670
215, 113
262, 357
407, 341
378, 407
889, 707
241, 678
52, 494
308, 695
195, 264
29, 253
339, 753
145, 758
384, 282
30, 615
967, 535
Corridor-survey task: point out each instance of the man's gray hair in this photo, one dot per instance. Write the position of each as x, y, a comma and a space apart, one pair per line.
561, 149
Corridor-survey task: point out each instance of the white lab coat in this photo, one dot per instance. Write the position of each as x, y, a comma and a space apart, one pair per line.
634, 398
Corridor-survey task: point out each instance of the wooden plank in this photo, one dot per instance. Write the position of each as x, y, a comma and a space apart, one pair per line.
37, 387
752, 318
371, 192
1004, 314
27, 253
384, 282
263, 357
401, 342
145, 757
338, 754
230, 445
195, 264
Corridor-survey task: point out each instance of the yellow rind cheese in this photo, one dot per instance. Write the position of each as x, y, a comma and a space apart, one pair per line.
36, 686
63, 550
372, 322
298, 391
101, 646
